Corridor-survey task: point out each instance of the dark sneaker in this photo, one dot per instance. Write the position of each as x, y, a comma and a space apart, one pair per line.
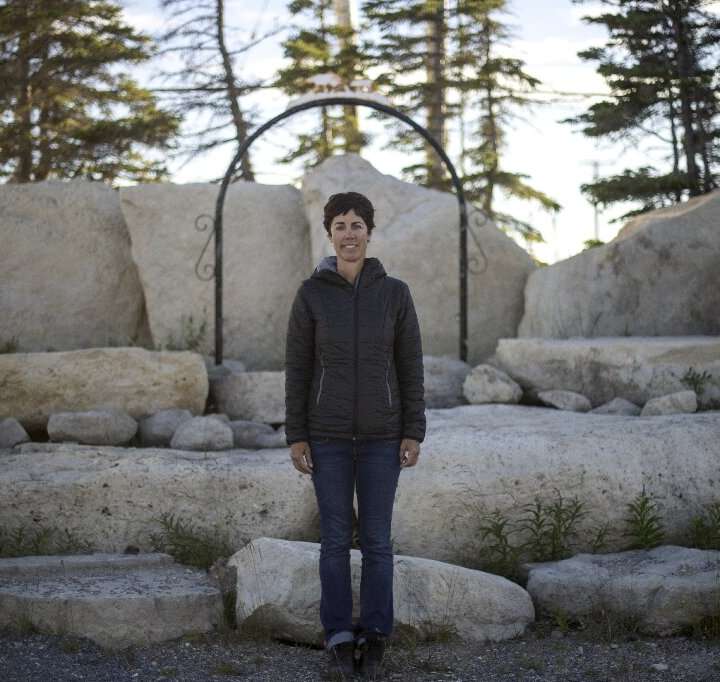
341, 659
372, 652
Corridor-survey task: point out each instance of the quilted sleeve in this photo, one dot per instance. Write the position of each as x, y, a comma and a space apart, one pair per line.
409, 363
299, 360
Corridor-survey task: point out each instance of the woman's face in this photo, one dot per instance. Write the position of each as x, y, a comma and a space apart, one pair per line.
349, 236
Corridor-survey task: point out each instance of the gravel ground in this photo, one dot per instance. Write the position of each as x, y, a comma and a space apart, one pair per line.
542, 653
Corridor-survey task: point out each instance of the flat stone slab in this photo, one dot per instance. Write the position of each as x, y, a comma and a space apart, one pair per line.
278, 588
664, 589
475, 458
635, 368
116, 600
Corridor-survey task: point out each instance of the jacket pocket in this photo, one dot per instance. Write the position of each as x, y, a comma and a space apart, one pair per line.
387, 382
322, 376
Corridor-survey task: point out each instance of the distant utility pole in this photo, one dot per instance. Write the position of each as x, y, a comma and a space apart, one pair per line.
596, 211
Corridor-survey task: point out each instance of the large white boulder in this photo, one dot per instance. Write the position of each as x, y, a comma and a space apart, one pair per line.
68, 279
663, 589
475, 458
266, 256
138, 381
634, 368
278, 588
417, 239
657, 278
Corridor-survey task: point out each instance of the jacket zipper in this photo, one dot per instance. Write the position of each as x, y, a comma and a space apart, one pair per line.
355, 348
322, 376
387, 383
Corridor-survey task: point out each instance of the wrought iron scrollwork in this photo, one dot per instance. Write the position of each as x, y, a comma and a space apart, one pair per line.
480, 219
202, 223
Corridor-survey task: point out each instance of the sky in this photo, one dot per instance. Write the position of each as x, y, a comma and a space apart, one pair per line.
556, 157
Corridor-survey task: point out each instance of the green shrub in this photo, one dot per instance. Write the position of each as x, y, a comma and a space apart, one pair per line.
705, 531
644, 527
40, 541
189, 545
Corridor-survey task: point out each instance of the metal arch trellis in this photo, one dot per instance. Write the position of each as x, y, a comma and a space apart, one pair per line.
203, 221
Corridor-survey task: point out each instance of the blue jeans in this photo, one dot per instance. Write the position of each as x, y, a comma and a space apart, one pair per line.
338, 465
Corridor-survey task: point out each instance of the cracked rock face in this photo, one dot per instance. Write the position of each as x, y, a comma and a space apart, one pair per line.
69, 280
662, 589
266, 255
658, 277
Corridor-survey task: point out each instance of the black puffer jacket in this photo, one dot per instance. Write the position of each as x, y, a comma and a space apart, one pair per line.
353, 362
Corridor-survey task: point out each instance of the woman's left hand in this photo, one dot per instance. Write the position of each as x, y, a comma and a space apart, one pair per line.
409, 452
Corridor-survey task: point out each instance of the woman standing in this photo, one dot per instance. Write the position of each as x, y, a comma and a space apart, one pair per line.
355, 415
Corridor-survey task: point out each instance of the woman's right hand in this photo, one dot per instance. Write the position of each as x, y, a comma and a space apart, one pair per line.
301, 457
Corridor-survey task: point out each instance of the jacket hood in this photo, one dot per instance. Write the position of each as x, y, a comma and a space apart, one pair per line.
326, 269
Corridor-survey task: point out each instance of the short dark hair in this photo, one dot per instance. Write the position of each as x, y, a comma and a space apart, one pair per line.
340, 204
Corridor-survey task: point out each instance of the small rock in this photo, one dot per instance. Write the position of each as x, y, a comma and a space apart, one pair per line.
660, 666
12, 433
614, 646
157, 430
245, 433
276, 439
487, 384
108, 426
444, 377
682, 402
202, 433
565, 400
618, 406
557, 634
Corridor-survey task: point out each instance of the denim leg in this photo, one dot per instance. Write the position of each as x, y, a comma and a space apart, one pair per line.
378, 470
333, 478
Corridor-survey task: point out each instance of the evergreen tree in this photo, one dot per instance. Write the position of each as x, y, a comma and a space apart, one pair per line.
207, 83
661, 63
410, 50
327, 46
67, 111
498, 88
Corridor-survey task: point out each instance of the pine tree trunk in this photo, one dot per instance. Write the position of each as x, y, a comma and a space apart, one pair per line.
350, 127
232, 92
435, 96
23, 115
685, 63
675, 144
490, 131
